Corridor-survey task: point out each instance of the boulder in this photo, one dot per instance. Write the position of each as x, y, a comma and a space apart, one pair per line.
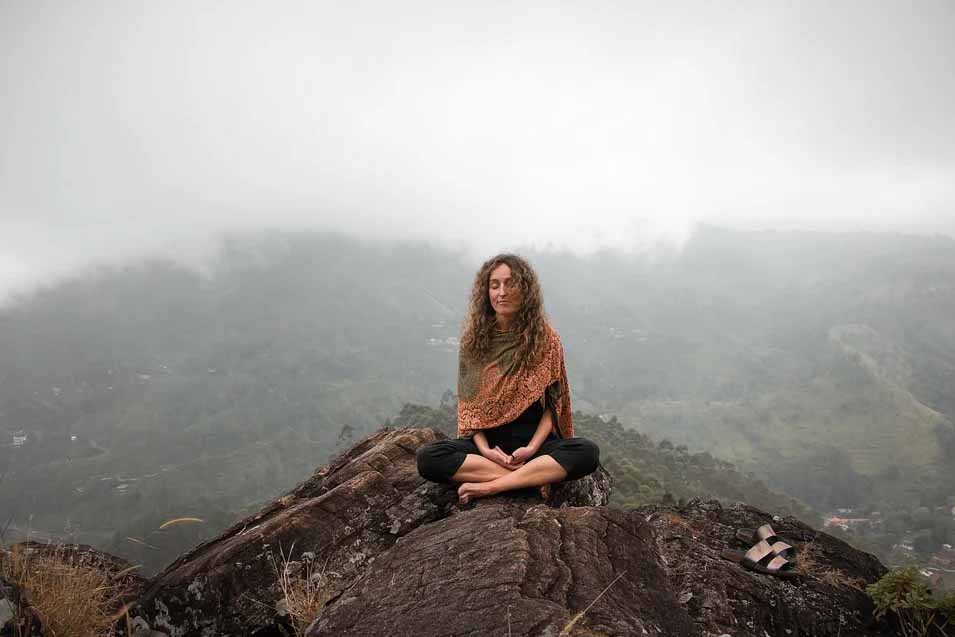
395, 555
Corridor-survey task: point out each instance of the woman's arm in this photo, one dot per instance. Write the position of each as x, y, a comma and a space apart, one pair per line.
481, 441
495, 455
544, 427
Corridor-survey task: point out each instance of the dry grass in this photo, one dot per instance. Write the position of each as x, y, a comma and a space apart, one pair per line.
304, 590
835, 577
70, 597
679, 522
807, 562
674, 519
569, 627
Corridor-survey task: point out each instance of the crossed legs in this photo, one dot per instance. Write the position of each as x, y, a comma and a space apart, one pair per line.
481, 477
458, 461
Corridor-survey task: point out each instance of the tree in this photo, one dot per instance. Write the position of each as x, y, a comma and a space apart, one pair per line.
923, 541
943, 528
447, 398
922, 518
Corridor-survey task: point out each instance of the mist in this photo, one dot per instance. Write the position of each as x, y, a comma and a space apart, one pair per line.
141, 129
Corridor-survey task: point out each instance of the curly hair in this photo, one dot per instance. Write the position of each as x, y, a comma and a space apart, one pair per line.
530, 321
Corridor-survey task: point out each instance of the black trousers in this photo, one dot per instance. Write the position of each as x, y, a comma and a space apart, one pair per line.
439, 461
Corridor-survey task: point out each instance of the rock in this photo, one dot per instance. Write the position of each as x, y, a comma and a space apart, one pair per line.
396, 555
592, 490
346, 515
505, 569
723, 597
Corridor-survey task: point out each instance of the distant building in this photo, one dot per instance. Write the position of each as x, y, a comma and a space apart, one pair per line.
847, 523
944, 558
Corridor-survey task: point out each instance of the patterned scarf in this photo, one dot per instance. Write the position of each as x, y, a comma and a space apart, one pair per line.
492, 392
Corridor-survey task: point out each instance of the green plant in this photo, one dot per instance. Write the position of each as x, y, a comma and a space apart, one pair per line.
902, 592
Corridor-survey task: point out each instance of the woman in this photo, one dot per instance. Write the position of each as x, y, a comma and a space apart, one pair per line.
515, 428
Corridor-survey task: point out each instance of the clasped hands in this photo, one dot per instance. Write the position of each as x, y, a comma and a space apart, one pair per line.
511, 461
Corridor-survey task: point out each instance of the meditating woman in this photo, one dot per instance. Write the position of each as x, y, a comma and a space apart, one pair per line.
515, 428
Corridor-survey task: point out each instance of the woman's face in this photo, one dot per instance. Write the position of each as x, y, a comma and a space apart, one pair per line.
503, 290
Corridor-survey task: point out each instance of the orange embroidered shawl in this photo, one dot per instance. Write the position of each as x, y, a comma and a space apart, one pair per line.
492, 392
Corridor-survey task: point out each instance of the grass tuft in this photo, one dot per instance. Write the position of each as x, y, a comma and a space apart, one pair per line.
67, 595
304, 590
807, 560
834, 577
808, 563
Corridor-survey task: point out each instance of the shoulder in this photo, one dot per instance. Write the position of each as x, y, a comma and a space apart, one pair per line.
551, 332
552, 338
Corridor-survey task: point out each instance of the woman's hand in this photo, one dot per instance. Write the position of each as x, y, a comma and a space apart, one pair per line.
498, 456
521, 455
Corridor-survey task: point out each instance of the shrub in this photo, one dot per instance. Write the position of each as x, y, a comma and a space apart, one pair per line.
903, 593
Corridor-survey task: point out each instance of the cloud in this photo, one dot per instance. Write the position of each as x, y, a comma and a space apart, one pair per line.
153, 128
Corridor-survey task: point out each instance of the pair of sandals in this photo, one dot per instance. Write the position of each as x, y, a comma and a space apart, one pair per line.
768, 554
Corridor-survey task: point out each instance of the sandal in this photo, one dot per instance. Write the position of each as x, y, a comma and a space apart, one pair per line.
761, 558
766, 532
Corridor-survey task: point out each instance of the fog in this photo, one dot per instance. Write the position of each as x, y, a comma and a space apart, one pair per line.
137, 128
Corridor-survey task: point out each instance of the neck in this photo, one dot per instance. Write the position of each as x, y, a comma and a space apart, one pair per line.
504, 324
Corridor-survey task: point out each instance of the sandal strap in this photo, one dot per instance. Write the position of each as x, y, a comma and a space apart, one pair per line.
777, 564
758, 551
765, 532
782, 549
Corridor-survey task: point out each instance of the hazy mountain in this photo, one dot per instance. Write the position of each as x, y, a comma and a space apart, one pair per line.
824, 364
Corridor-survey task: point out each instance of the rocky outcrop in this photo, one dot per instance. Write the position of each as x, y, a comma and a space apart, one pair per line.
721, 597
395, 555
504, 568
344, 518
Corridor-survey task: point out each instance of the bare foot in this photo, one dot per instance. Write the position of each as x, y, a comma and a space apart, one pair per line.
469, 490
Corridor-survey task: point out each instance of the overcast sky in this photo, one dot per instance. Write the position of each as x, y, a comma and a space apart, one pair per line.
131, 127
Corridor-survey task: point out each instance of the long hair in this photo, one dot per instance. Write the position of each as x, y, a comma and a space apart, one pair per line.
530, 322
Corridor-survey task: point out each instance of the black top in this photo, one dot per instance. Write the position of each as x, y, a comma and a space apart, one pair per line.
519, 431
532, 415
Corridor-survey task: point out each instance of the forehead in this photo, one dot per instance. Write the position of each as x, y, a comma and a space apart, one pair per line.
501, 272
